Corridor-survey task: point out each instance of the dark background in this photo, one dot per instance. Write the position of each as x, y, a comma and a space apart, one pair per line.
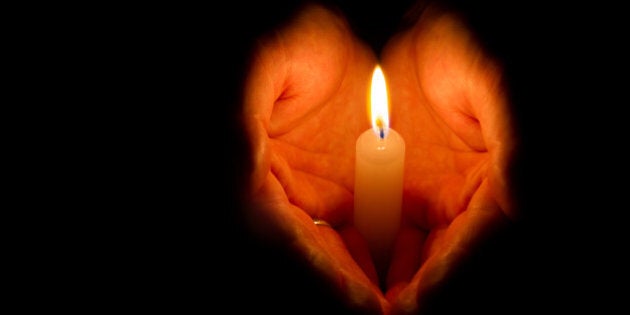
185, 157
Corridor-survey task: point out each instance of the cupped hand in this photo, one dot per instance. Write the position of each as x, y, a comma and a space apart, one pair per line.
304, 107
450, 105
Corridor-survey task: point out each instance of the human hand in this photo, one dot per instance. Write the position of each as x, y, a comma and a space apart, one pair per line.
305, 104
304, 107
450, 106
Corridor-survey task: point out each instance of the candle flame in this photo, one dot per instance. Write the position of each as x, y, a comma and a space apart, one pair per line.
379, 105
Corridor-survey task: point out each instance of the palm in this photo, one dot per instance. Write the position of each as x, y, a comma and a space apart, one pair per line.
314, 157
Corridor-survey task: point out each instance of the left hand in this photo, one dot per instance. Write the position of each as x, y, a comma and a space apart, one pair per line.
450, 105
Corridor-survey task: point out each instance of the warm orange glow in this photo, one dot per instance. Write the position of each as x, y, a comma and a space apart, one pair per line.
379, 105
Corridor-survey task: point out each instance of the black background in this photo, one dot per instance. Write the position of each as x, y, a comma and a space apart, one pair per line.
176, 74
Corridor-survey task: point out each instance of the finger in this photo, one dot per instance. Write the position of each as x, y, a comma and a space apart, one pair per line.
364, 295
313, 74
456, 85
359, 250
459, 79
406, 259
464, 84
467, 232
276, 221
297, 67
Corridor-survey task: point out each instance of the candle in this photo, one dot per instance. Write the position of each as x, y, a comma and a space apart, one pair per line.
379, 165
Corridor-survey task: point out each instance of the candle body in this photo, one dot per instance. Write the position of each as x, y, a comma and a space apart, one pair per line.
378, 191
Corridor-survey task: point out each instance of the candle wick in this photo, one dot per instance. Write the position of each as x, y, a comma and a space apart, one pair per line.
382, 133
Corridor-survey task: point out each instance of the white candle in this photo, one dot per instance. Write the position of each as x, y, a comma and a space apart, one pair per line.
378, 186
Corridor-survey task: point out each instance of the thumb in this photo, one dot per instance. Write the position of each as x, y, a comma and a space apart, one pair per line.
452, 250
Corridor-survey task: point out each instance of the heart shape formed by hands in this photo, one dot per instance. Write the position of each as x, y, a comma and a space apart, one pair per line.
304, 107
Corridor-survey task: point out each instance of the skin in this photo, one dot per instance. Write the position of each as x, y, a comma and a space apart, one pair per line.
304, 107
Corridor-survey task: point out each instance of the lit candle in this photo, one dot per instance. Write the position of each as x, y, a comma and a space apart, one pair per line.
378, 186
